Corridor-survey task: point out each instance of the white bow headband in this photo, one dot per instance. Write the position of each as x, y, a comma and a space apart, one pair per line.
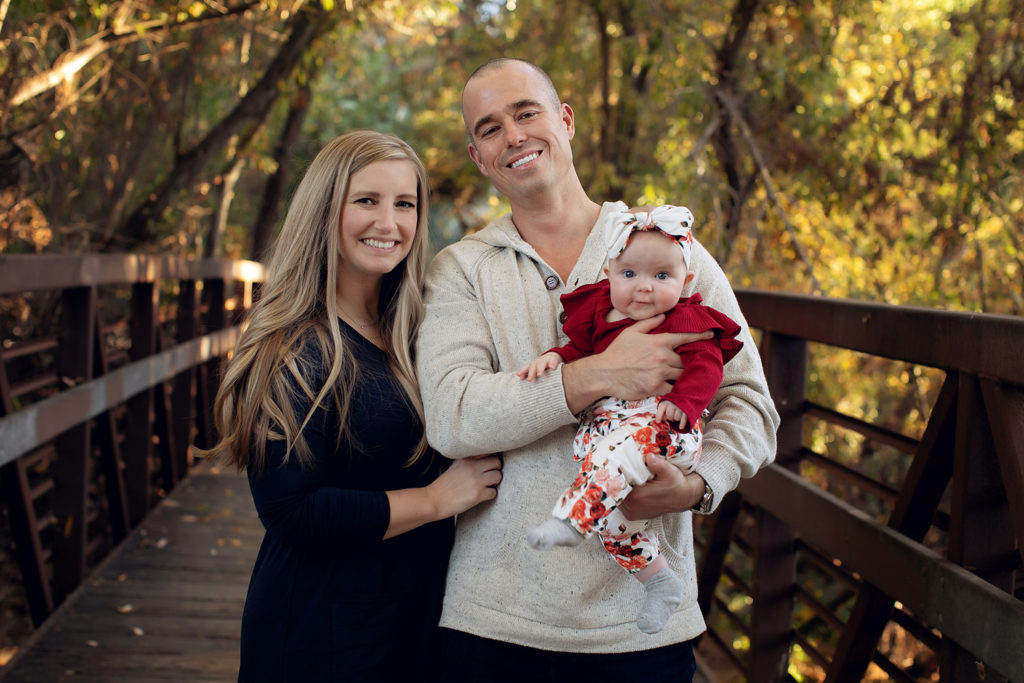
673, 221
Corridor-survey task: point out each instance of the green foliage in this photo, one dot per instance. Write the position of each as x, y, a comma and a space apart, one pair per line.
890, 132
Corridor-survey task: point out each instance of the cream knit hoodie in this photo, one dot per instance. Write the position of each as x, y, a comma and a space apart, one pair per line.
488, 314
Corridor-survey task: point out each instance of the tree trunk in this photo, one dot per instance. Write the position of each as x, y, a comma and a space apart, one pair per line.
263, 228
250, 111
722, 140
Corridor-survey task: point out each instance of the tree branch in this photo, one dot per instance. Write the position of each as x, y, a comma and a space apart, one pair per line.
71, 62
284, 152
766, 178
306, 25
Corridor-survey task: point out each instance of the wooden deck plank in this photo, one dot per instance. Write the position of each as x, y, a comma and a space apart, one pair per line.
166, 605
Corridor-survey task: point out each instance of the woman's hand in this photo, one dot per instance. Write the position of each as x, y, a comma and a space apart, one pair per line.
467, 482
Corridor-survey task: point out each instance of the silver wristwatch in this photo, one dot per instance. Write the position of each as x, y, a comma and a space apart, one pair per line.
704, 505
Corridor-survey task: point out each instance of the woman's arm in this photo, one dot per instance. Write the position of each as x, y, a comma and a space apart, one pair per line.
295, 504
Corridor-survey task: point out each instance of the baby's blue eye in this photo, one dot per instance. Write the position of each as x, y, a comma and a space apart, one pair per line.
628, 273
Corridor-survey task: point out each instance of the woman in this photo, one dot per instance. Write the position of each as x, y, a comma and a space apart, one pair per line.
320, 405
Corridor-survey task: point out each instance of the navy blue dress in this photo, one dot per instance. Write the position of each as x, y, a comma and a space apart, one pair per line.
328, 599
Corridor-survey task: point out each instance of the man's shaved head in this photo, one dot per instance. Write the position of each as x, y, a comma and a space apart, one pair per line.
550, 92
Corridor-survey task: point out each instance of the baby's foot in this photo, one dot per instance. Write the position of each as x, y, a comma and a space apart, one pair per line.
664, 595
554, 532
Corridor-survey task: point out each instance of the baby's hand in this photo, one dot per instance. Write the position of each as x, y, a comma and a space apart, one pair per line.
539, 365
670, 412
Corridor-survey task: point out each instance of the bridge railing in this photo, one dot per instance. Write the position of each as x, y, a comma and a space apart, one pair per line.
108, 368
905, 559
108, 365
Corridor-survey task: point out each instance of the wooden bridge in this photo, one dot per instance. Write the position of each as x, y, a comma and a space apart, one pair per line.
884, 544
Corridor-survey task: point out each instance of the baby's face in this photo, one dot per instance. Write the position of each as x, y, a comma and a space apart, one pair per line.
648, 277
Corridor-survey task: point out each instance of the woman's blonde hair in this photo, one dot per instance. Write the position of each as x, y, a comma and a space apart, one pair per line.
293, 330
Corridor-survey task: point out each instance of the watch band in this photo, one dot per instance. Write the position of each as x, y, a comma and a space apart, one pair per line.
704, 505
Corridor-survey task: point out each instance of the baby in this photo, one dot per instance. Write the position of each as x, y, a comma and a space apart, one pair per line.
648, 265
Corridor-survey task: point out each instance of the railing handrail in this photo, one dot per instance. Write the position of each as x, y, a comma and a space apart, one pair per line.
33, 272
984, 343
37, 423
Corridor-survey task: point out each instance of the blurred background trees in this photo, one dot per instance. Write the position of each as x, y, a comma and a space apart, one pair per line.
863, 149
867, 149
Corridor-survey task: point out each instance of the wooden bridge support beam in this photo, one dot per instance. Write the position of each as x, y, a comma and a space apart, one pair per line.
922, 489
981, 536
1004, 405
774, 584
107, 439
71, 478
145, 316
182, 405
208, 374
14, 488
15, 491
722, 525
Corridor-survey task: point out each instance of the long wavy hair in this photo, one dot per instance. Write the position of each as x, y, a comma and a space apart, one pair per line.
273, 362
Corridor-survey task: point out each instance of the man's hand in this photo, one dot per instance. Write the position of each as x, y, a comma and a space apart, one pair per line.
634, 366
669, 491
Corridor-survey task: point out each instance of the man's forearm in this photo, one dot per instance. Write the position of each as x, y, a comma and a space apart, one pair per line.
582, 384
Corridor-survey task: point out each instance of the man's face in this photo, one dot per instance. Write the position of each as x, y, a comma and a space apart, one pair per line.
520, 136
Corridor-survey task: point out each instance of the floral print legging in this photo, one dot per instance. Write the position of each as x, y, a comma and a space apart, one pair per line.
610, 445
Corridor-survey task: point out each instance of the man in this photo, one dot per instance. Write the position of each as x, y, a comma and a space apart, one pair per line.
492, 306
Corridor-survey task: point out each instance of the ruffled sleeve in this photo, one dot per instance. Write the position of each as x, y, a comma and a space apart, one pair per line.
702, 360
691, 315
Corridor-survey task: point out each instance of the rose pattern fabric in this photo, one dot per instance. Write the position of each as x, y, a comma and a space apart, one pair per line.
613, 439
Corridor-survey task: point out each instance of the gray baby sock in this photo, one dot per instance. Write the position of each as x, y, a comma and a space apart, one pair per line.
553, 532
664, 594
